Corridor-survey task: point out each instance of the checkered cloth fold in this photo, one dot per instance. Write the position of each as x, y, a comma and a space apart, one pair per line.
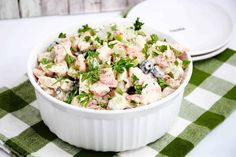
210, 97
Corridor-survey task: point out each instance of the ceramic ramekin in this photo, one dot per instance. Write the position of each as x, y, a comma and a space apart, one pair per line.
103, 130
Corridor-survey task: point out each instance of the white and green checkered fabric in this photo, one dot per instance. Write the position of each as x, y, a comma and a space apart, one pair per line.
210, 97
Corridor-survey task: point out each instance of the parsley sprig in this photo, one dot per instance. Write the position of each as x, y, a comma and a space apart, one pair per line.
73, 92
153, 40
69, 59
162, 48
138, 25
46, 62
134, 78
139, 88
62, 35
145, 51
86, 28
185, 63
162, 83
122, 64
84, 98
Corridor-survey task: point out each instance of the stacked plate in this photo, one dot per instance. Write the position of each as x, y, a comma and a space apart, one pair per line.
203, 27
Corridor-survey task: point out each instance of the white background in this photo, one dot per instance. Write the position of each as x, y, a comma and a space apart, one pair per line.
17, 38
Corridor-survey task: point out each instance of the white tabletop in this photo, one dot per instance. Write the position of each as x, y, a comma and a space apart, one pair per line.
19, 36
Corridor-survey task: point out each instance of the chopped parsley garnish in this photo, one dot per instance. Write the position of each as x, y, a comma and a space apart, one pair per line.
50, 48
122, 64
73, 92
111, 45
58, 79
134, 78
154, 54
162, 83
139, 88
69, 59
133, 102
145, 51
87, 38
92, 73
70, 97
100, 41
109, 36
92, 54
84, 98
153, 40
162, 48
49, 65
74, 49
62, 35
91, 76
44, 61
176, 63
86, 28
118, 90
138, 25
185, 63
176, 52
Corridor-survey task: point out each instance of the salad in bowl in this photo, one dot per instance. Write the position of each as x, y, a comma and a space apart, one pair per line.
111, 67
110, 85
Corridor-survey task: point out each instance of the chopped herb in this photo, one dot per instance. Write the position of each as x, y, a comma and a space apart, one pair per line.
122, 64
91, 76
92, 54
69, 59
176, 63
145, 51
87, 38
73, 92
153, 40
86, 28
162, 83
69, 98
139, 88
138, 25
100, 41
56, 42
50, 48
49, 65
176, 52
118, 90
44, 61
111, 45
62, 35
59, 79
109, 36
185, 63
84, 98
92, 64
133, 102
134, 78
74, 49
154, 54
162, 48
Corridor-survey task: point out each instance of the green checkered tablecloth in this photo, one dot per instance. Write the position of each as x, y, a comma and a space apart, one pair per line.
210, 97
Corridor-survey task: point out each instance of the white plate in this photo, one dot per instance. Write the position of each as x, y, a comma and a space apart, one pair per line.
211, 54
199, 25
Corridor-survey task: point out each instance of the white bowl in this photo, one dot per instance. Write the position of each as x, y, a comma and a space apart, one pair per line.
103, 130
